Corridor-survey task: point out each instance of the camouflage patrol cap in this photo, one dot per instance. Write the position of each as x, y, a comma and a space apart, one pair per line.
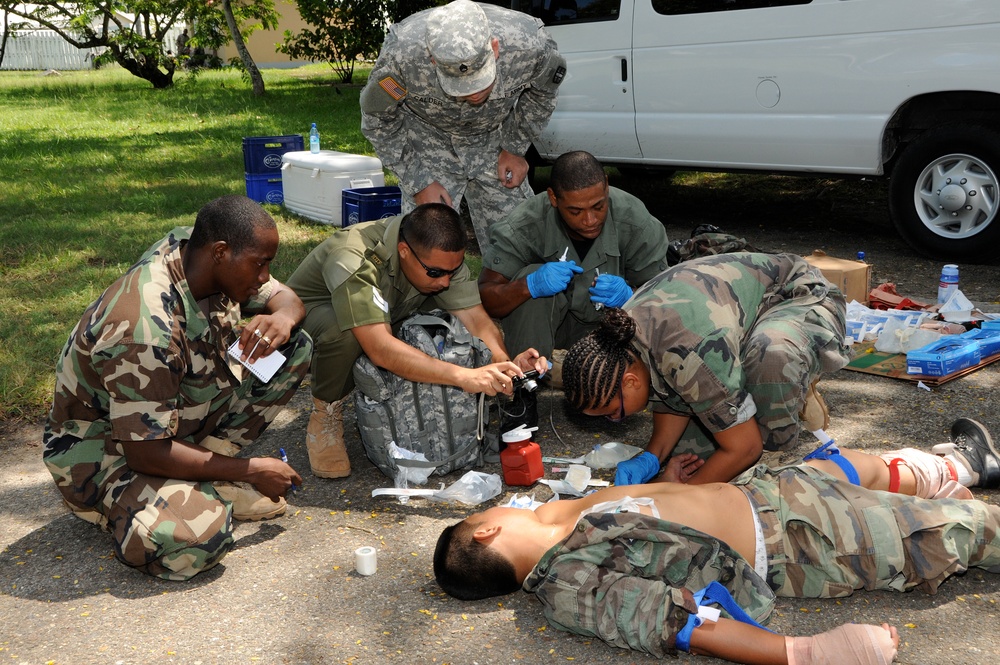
459, 39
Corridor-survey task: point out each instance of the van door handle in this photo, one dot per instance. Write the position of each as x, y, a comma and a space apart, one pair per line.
624, 70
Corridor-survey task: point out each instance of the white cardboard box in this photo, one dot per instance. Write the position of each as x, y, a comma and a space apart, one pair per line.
312, 183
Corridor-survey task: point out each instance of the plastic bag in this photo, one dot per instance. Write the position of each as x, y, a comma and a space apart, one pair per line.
898, 337
607, 455
471, 489
409, 474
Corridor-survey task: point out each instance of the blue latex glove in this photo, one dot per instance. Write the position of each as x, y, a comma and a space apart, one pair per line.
552, 278
610, 291
640, 469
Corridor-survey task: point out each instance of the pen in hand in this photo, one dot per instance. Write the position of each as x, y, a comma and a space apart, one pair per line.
284, 458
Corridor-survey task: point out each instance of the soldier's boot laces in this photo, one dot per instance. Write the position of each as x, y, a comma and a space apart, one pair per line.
249, 505
325, 440
973, 446
814, 414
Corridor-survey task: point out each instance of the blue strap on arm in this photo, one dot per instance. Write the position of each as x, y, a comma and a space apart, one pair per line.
719, 595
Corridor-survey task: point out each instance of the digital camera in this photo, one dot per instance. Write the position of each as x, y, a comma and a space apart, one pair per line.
528, 382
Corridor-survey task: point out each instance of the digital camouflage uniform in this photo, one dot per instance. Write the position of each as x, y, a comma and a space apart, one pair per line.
145, 364
627, 578
423, 135
632, 244
731, 337
353, 279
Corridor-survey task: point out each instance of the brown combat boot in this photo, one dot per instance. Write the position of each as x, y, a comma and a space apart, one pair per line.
814, 414
325, 440
249, 505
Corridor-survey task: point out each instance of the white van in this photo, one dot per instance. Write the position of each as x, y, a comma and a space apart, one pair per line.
904, 88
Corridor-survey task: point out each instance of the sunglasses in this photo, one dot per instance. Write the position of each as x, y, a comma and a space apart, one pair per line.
433, 273
621, 406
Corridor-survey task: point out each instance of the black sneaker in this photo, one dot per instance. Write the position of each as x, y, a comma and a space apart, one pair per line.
975, 446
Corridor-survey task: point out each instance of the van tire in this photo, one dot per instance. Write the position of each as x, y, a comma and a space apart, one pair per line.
944, 192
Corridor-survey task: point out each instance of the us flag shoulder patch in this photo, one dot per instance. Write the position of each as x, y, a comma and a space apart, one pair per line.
395, 90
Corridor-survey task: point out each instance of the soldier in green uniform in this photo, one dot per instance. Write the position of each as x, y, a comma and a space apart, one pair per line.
726, 349
360, 283
456, 97
629, 564
150, 408
554, 262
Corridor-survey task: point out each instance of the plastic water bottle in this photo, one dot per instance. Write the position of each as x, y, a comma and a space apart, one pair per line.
314, 140
949, 282
861, 257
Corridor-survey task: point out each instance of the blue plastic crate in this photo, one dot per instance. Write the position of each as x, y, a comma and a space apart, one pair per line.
364, 204
265, 188
262, 154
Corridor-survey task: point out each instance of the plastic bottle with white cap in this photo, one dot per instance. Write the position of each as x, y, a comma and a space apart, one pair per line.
949, 282
521, 459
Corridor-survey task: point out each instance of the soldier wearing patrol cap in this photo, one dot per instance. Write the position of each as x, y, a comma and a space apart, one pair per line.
456, 97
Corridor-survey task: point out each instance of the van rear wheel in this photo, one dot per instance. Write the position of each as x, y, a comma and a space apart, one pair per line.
944, 194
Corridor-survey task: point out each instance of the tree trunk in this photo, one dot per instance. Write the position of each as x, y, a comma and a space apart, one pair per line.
255, 78
145, 68
6, 34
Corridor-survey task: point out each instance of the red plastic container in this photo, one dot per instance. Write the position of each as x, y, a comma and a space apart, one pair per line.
522, 458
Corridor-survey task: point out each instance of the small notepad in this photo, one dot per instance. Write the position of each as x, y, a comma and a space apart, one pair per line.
263, 368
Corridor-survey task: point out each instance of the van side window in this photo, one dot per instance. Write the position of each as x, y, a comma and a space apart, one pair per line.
560, 12
674, 7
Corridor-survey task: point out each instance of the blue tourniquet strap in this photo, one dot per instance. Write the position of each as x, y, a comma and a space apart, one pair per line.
717, 594
829, 451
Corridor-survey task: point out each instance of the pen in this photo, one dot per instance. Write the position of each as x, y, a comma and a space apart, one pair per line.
254, 348
598, 305
284, 458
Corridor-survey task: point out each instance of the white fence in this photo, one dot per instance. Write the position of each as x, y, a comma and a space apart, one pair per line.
44, 49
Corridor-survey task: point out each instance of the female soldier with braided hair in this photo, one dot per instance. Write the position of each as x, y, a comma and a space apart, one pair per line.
726, 349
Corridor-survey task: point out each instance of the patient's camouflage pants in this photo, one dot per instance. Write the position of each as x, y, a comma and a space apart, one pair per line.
826, 538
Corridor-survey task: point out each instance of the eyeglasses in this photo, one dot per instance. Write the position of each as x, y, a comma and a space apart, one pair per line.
433, 273
621, 406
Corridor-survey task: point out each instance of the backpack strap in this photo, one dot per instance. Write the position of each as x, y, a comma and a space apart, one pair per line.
454, 326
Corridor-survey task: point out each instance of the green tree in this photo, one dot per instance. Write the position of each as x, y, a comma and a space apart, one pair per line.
341, 32
132, 32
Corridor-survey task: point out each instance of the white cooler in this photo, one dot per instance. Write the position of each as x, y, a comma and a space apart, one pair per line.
312, 183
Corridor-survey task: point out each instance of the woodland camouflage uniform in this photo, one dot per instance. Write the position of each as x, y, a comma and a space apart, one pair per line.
628, 578
143, 364
731, 337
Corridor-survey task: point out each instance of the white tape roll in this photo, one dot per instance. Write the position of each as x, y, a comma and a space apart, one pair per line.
364, 560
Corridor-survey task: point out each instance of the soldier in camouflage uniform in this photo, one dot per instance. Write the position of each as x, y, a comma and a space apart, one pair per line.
457, 95
360, 283
149, 407
725, 348
623, 564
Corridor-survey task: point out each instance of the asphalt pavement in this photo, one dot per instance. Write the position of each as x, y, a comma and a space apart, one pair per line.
288, 592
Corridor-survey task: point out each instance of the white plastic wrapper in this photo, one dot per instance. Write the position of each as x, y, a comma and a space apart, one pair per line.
607, 455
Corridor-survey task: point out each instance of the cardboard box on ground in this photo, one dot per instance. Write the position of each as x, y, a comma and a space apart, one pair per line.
853, 278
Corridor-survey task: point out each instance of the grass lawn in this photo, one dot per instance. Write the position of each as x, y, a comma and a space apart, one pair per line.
95, 166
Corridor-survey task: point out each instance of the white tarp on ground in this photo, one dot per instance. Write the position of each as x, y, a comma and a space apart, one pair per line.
44, 49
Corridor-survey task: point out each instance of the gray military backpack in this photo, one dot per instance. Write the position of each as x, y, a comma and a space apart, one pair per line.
445, 423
